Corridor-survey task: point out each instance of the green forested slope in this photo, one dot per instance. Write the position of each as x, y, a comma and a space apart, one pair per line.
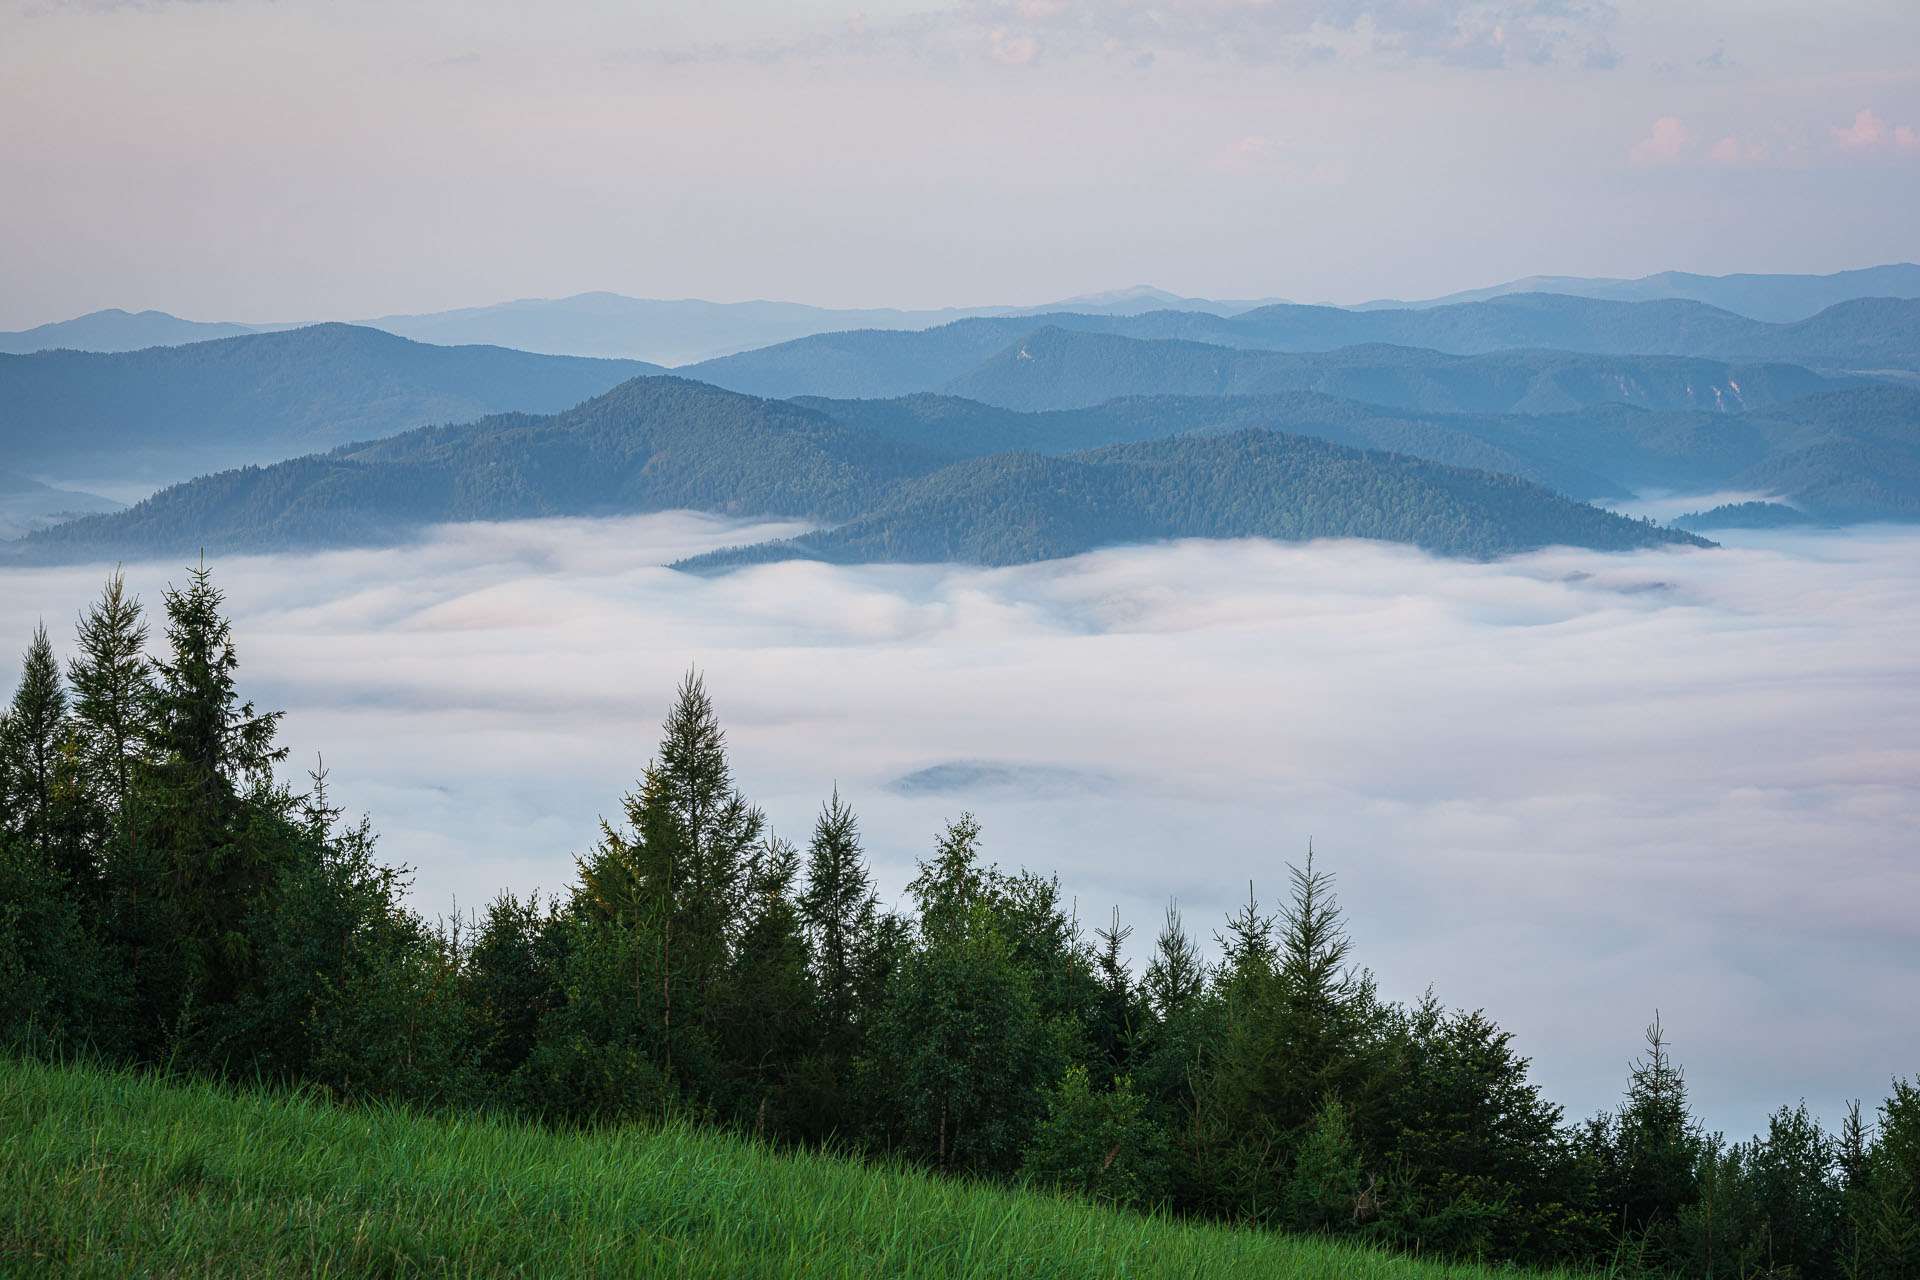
1016, 507
651, 444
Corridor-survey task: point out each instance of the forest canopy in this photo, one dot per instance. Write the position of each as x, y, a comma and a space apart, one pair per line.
167, 898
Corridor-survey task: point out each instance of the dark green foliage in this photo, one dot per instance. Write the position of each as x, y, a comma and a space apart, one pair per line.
1015, 508
1650, 1148
35, 735
961, 1045
1102, 1143
1303, 1030
1885, 1196
1478, 1163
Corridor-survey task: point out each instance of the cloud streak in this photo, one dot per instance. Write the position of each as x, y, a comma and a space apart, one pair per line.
1571, 786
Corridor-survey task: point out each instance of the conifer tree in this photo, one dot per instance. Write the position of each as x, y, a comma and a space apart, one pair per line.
1175, 976
1656, 1142
214, 752
765, 1019
31, 738
113, 693
676, 879
838, 907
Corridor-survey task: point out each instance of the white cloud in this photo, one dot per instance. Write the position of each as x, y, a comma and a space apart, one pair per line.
1570, 787
1668, 142
1866, 133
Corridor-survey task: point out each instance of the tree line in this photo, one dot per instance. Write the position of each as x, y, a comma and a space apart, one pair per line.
166, 899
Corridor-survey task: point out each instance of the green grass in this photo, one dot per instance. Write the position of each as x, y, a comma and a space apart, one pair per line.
106, 1173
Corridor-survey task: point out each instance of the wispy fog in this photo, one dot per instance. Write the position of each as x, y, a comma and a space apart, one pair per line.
1571, 787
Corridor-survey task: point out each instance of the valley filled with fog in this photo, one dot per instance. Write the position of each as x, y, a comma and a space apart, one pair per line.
1570, 786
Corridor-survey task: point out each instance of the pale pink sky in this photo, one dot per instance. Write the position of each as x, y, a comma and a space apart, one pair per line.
284, 159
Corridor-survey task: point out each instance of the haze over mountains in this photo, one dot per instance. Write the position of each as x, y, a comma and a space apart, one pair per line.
681, 332
168, 412
656, 444
1471, 428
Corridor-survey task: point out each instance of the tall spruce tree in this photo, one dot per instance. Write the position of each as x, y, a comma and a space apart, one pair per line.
676, 877
113, 695
1656, 1142
213, 753
31, 738
838, 906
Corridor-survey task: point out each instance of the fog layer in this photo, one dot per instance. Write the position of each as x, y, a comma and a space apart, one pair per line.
1571, 787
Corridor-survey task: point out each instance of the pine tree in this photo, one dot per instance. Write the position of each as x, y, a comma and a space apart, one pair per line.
113, 693
212, 778
1656, 1142
764, 1009
676, 879
31, 737
837, 907
1175, 977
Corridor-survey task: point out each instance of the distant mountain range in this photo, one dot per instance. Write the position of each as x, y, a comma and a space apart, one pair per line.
665, 443
685, 331
172, 412
1779, 298
603, 325
1881, 336
1062, 369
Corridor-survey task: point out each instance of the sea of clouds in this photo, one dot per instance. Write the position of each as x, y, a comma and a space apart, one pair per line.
1570, 787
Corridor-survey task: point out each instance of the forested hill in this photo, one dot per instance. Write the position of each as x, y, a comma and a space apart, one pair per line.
180, 410
1871, 334
1841, 455
1012, 508
960, 428
665, 443
1056, 368
651, 444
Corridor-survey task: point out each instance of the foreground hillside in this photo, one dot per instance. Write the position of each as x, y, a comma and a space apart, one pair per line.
106, 1173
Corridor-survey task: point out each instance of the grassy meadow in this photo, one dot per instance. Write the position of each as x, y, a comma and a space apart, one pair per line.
111, 1173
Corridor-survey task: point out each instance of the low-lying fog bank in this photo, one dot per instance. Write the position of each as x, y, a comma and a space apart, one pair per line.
1570, 787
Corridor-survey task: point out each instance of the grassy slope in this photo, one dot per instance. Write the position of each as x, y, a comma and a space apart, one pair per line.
113, 1174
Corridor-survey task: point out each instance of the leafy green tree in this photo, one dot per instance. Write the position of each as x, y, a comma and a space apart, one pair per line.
1325, 1189
1101, 1143
960, 1051
512, 979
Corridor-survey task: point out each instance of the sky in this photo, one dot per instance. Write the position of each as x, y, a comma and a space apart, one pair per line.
274, 160
1572, 788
